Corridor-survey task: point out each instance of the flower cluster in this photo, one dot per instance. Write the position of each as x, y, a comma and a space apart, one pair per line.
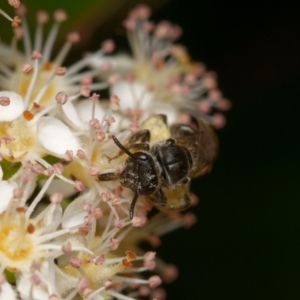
74, 207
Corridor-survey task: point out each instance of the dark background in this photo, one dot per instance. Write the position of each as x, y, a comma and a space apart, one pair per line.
246, 242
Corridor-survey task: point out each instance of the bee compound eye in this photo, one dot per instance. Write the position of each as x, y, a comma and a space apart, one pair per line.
143, 156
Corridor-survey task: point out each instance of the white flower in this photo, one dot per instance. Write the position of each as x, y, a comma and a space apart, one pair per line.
6, 290
68, 229
33, 86
109, 269
160, 77
26, 233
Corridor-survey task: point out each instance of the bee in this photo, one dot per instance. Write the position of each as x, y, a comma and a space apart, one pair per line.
162, 160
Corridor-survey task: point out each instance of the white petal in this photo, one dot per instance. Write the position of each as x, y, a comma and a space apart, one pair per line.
24, 287
64, 283
58, 185
52, 219
56, 137
14, 109
71, 116
132, 95
7, 190
123, 64
84, 109
74, 213
7, 292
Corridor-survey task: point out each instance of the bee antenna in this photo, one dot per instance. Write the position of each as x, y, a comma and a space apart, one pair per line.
122, 147
132, 205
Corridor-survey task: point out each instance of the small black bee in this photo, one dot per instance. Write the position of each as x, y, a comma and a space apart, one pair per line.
162, 172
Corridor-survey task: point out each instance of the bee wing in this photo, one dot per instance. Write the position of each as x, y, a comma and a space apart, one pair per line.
201, 141
208, 147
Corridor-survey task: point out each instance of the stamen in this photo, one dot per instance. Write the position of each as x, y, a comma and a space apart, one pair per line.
36, 56
4, 101
71, 39
14, 3
4, 14
21, 10
39, 96
42, 18
59, 16
39, 197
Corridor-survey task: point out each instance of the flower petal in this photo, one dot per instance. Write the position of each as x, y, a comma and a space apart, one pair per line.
14, 109
24, 287
7, 192
122, 64
7, 292
74, 213
56, 137
84, 109
71, 116
52, 218
58, 185
64, 282
132, 95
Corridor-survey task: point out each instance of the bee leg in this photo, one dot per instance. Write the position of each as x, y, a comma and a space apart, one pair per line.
159, 199
141, 136
139, 146
132, 205
108, 177
183, 181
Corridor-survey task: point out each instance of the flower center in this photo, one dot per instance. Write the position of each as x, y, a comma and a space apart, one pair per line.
21, 138
15, 246
44, 75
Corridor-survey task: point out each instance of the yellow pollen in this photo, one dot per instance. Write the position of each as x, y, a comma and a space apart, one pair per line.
13, 246
23, 138
96, 273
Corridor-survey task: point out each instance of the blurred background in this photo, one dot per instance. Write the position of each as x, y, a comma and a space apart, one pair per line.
246, 242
